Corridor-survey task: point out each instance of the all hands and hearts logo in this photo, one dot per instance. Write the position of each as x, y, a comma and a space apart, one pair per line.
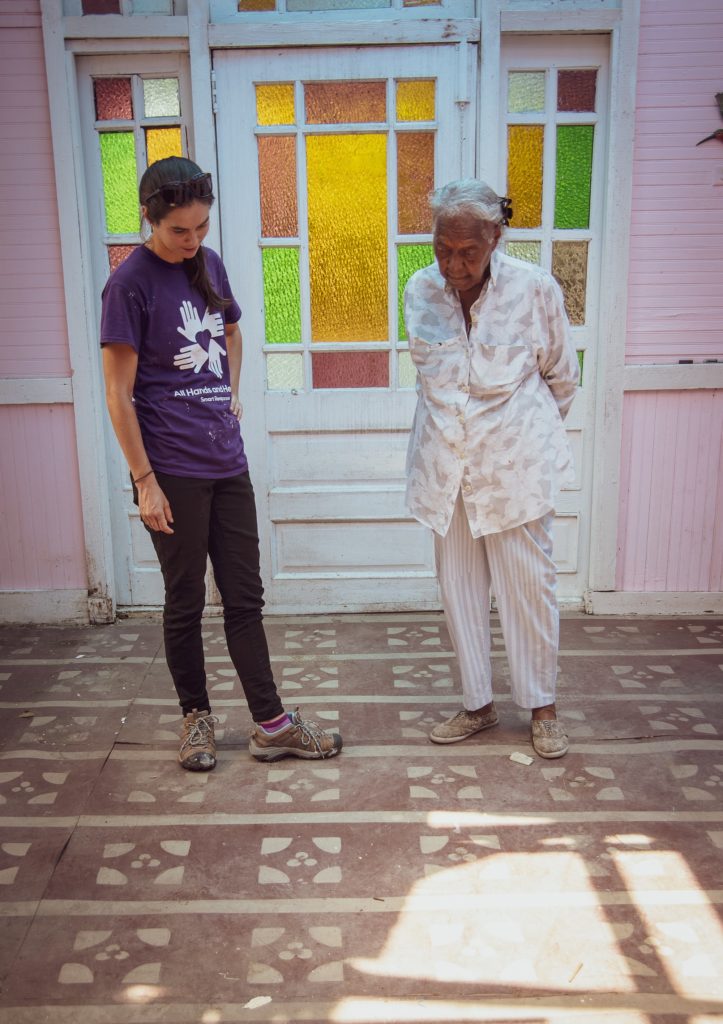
201, 335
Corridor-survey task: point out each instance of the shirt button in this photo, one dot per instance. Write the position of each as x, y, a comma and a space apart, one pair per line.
464, 388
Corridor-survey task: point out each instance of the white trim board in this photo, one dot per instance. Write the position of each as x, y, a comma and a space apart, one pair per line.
673, 376
673, 602
36, 391
44, 607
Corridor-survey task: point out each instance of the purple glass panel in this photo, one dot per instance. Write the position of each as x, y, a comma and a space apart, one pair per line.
350, 369
113, 99
576, 90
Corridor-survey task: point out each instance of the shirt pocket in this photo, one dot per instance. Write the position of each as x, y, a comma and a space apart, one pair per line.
435, 358
500, 368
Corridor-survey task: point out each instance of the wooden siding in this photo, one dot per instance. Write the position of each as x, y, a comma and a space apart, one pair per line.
675, 308
41, 527
671, 528
34, 337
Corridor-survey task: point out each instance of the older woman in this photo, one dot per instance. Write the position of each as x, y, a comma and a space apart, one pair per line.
496, 374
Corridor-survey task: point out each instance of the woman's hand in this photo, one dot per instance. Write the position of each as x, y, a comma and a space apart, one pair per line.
236, 408
153, 505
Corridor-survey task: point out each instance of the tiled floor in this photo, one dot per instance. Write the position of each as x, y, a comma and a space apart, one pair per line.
400, 882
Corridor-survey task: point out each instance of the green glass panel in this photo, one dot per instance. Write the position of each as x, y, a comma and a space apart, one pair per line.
580, 363
160, 97
282, 296
525, 91
573, 175
407, 371
530, 252
410, 258
285, 372
120, 183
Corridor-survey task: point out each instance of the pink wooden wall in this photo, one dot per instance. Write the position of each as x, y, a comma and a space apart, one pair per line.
670, 535
41, 524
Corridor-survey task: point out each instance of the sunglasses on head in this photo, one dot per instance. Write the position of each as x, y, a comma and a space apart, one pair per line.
176, 193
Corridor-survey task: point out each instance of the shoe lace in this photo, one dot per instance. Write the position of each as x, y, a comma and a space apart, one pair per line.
311, 732
200, 731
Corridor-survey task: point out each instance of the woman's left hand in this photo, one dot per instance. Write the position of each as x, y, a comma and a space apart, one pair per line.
237, 409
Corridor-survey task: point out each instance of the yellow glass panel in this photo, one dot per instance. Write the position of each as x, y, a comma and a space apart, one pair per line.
275, 104
347, 201
524, 173
415, 101
163, 142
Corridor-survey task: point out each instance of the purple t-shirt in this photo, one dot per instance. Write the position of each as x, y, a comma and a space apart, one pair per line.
182, 390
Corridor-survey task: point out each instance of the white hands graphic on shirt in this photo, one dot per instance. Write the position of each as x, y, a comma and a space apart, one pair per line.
194, 356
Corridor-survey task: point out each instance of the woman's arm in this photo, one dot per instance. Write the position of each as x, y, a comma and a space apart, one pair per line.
120, 363
234, 349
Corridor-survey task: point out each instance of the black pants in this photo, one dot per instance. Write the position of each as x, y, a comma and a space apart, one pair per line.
216, 519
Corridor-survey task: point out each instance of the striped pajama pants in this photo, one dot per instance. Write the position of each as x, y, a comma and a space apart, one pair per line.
516, 565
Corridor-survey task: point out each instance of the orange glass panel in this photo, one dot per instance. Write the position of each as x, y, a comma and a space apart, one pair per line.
415, 100
256, 5
277, 178
524, 173
415, 180
163, 142
569, 265
350, 369
275, 103
347, 203
345, 102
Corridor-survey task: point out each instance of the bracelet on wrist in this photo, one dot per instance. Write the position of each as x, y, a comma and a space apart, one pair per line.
138, 479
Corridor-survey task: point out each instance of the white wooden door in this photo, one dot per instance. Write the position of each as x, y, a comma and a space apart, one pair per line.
325, 161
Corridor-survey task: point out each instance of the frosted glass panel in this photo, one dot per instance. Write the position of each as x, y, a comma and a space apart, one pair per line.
524, 173
277, 178
531, 252
525, 91
160, 97
573, 176
282, 297
163, 142
118, 253
285, 372
415, 180
415, 100
569, 265
350, 369
576, 90
345, 102
113, 100
410, 258
422, 3
407, 371
275, 104
120, 182
347, 203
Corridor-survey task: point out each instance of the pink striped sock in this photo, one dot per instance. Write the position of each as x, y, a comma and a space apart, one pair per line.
275, 725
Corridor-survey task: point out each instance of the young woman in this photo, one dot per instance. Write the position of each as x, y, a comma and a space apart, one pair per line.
172, 361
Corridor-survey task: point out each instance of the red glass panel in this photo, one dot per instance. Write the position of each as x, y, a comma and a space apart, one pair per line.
576, 90
118, 253
113, 99
350, 369
101, 7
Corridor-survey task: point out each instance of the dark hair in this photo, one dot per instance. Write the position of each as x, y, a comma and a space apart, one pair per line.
160, 173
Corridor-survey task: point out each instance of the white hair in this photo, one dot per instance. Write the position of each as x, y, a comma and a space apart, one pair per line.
469, 197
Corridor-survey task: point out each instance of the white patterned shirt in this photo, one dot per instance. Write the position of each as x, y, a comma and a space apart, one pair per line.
490, 406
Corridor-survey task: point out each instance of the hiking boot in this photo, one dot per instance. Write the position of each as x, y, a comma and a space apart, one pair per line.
198, 743
303, 738
462, 725
549, 738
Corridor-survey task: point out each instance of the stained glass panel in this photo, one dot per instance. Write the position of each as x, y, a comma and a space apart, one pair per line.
101, 7
120, 182
334, 5
415, 180
161, 98
406, 371
277, 178
282, 296
415, 100
421, 3
163, 142
275, 103
256, 5
350, 369
530, 252
285, 372
576, 90
347, 203
345, 102
410, 258
525, 91
524, 173
581, 364
113, 101
118, 253
574, 175
569, 265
